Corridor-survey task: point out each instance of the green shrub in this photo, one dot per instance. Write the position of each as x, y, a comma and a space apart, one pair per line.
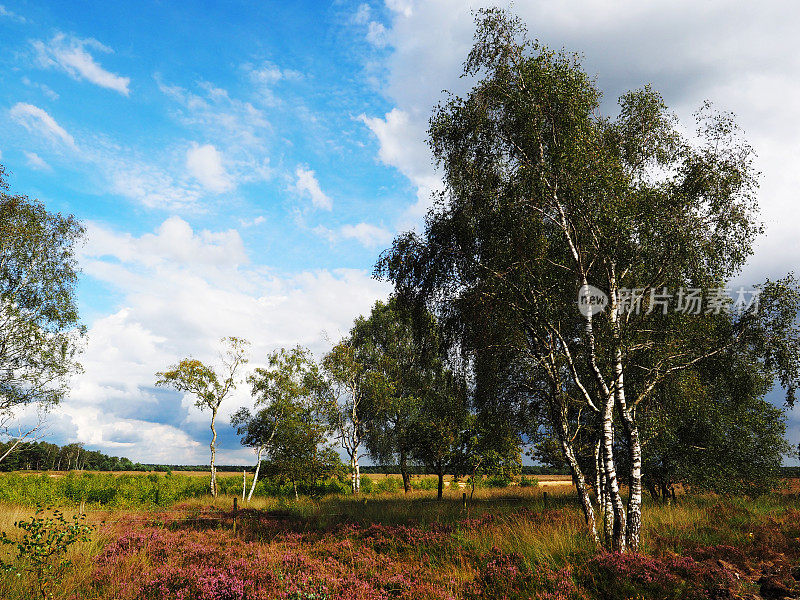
388, 484
528, 482
425, 483
41, 550
367, 487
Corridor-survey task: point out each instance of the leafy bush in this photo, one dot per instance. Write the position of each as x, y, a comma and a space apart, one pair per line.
388, 484
528, 482
425, 483
366, 485
42, 548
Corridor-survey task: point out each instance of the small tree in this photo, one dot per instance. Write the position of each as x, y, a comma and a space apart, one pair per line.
440, 431
257, 432
289, 427
192, 376
401, 348
348, 387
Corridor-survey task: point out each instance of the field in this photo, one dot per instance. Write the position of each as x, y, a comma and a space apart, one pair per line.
507, 543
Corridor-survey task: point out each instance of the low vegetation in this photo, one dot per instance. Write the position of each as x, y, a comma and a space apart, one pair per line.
507, 543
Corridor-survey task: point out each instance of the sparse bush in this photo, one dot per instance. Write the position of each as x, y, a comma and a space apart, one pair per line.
388, 484
41, 550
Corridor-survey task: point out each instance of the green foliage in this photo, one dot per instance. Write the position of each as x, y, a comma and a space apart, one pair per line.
424, 483
292, 426
41, 550
528, 482
39, 327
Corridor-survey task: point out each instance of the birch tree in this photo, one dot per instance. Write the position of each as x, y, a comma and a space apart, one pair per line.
40, 333
346, 387
257, 431
209, 386
543, 198
288, 426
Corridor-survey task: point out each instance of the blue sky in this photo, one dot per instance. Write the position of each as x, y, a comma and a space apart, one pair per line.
240, 165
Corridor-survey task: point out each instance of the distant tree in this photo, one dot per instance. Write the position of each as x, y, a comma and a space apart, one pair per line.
349, 388
401, 346
300, 452
491, 446
442, 426
210, 388
257, 432
40, 334
713, 429
290, 426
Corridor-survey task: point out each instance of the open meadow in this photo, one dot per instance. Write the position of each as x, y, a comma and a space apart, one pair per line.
512, 542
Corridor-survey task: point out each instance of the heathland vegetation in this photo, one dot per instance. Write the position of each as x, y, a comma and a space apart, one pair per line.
566, 298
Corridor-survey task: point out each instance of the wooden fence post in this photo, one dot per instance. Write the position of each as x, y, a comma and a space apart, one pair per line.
544, 495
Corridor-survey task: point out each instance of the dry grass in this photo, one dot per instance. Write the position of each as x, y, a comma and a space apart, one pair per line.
540, 531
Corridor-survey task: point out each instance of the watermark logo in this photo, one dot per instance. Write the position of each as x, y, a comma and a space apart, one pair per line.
591, 300
687, 301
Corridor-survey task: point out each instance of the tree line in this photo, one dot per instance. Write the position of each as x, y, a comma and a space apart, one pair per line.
44, 456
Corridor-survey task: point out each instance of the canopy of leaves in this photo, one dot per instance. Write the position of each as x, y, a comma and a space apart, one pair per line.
39, 329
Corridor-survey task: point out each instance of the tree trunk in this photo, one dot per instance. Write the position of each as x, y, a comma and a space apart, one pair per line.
612, 483
355, 478
634, 516
213, 454
244, 483
404, 472
294, 485
440, 489
255, 475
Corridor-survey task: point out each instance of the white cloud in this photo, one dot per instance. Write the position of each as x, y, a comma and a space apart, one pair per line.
377, 34
307, 185
362, 15
36, 162
205, 164
401, 141
259, 220
70, 54
4, 12
180, 291
370, 236
36, 119
218, 116
47, 91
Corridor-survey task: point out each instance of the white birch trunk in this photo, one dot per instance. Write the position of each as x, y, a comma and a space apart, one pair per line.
213, 454
255, 475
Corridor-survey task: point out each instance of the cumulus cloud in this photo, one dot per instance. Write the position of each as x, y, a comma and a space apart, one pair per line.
205, 164
38, 120
688, 51
180, 291
306, 184
70, 54
370, 236
401, 144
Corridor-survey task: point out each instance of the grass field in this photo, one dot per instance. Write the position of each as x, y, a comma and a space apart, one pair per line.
507, 543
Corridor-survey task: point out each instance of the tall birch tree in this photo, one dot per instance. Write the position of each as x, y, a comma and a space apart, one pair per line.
543, 198
40, 333
209, 386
